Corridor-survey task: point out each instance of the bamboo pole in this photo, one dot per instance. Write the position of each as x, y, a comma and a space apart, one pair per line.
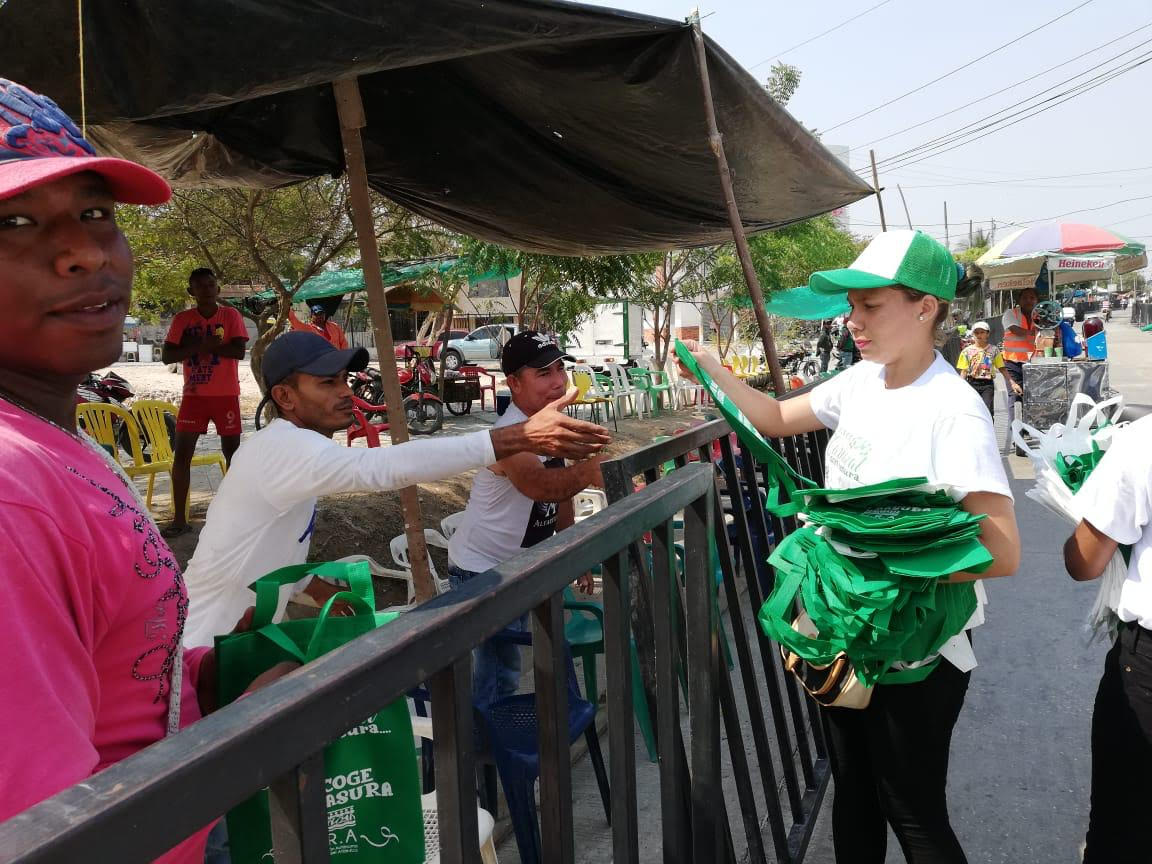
876, 189
351, 112
716, 142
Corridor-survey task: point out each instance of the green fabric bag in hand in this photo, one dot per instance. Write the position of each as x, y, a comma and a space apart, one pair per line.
781, 476
372, 784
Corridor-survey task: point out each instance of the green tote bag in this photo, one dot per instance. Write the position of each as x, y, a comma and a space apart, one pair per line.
372, 783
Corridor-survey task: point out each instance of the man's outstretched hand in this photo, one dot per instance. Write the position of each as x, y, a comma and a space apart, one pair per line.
551, 432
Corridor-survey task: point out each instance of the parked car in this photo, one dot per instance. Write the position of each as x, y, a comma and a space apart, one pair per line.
444, 338
483, 343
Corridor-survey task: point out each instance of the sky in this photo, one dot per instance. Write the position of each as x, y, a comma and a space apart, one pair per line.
1019, 174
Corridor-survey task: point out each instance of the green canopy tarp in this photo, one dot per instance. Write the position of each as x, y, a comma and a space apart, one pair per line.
806, 304
334, 283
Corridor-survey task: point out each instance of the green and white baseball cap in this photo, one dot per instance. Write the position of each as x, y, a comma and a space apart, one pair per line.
908, 258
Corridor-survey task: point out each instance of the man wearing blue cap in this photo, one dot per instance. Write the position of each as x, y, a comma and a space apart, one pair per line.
320, 325
264, 513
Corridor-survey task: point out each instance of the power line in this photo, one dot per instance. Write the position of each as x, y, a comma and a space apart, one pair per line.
820, 35
959, 68
1026, 222
956, 138
970, 128
1009, 87
1029, 179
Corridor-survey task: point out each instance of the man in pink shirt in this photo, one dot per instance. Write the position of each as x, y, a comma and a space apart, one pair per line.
94, 601
209, 341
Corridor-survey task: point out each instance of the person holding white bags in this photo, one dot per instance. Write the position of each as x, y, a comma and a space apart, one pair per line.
1115, 506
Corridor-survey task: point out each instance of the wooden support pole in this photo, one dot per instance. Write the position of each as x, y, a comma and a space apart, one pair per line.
947, 233
904, 201
351, 112
876, 189
716, 142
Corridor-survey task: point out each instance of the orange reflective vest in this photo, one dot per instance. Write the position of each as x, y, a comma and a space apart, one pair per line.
1019, 348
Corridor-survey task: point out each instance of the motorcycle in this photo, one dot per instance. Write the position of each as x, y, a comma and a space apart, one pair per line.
423, 409
113, 389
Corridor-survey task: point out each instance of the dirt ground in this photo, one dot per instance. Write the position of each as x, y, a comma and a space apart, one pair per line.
358, 523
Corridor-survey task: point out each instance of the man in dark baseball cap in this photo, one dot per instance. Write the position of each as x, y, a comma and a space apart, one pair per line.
262, 516
518, 502
532, 349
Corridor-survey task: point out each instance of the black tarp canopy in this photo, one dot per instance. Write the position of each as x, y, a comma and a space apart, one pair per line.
547, 126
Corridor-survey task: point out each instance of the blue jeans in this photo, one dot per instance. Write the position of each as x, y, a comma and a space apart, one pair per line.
217, 851
495, 664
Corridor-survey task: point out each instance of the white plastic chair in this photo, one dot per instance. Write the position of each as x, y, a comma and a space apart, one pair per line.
399, 548
622, 389
422, 728
588, 502
681, 386
450, 523
379, 569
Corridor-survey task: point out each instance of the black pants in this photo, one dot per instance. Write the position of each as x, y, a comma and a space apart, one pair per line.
1016, 373
987, 391
1122, 753
890, 763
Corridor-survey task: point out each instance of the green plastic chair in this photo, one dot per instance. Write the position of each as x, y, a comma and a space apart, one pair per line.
584, 631
641, 381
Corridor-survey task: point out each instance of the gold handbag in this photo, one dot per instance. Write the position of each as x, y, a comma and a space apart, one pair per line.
834, 685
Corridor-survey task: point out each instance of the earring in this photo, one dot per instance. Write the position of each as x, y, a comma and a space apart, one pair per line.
921, 318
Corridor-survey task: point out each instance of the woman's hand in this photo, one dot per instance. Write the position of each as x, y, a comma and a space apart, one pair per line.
703, 358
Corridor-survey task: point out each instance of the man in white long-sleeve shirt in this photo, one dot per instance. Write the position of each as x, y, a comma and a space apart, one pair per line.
263, 514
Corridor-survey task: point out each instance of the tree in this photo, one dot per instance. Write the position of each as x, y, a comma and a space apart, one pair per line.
664, 279
545, 279
276, 237
783, 259
783, 81
163, 262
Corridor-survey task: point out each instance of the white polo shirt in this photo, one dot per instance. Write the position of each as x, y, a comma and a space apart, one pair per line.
1117, 500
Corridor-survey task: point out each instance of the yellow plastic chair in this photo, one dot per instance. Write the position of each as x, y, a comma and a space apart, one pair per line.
102, 421
149, 415
584, 382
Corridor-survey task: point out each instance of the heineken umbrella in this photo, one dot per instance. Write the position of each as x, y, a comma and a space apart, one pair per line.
1073, 252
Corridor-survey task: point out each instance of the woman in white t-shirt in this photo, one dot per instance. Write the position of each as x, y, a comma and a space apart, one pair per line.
1115, 507
900, 412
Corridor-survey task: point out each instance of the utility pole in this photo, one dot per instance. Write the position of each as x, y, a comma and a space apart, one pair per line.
904, 201
876, 189
947, 236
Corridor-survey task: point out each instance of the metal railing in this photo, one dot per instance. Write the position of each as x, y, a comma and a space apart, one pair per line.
787, 754
275, 738
700, 670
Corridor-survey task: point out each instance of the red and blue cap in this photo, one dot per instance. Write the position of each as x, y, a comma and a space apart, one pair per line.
39, 143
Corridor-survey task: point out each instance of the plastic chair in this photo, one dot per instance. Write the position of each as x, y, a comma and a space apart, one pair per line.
149, 415
660, 388
380, 570
589, 502
584, 380
422, 728
450, 523
681, 387
642, 383
584, 632
489, 387
623, 389
399, 549
102, 422
510, 725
